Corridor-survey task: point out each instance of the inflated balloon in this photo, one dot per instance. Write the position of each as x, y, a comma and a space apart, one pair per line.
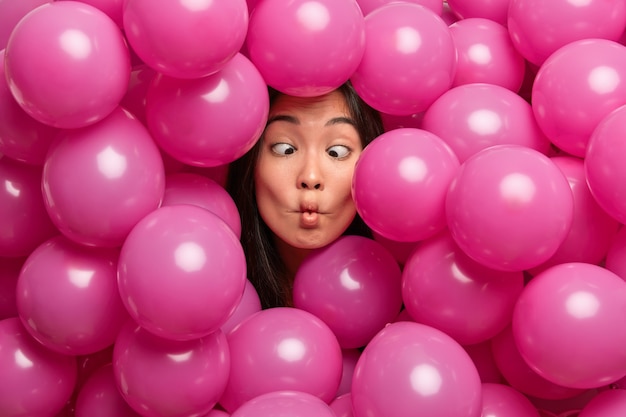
249, 304
300, 53
367, 6
11, 12
593, 230
198, 190
168, 378
212, 120
539, 28
495, 10
486, 54
284, 403
99, 181
9, 273
35, 380
21, 137
576, 87
610, 403
409, 366
68, 299
24, 222
472, 117
342, 406
350, 359
584, 349
443, 288
100, 397
603, 169
67, 64
353, 285
503, 401
411, 40
182, 272
280, 349
509, 208
616, 255
482, 356
413, 168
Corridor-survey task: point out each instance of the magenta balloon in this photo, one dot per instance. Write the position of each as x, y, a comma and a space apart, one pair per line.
168, 378
539, 28
11, 12
610, 403
35, 380
445, 289
342, 406
520, 376
68, 299
495, 10
413, 168
486, 54
279, 349
9, 273
24, 222
409, 366
182, 272
186, 39
576, 87
314, 61
616, 255
368, 6
603, 170
67, 64
505, 200
482, 356
249, 304
198, 190
283, 404
99, 181
353, 285
100, 397
472, 117
592, 231
409, 59
350, 359
584, 300
21, 137
503, 401
212, 120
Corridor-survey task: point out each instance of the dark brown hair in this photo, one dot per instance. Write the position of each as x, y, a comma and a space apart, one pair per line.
266, 270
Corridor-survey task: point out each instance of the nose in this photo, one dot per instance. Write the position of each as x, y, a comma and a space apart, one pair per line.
311, 176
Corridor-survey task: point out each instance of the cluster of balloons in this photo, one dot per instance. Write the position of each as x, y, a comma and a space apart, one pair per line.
495, 284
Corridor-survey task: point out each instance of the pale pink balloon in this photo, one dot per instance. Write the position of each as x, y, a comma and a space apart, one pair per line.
284, 403
611, 403
472, 117
9, 273
503, 401
368, 6
99, 181
249, 304
496, 10
100, 396
11, 12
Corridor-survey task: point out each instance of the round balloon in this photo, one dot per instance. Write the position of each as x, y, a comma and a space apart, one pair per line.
610, 403
181, 272
504, 201
284, 403
295, 44
67, 64
249, 304
503, 401
100, 397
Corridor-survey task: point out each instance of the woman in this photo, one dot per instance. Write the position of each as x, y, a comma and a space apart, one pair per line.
293, 189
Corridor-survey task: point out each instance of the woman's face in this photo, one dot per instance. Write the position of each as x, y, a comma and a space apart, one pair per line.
303, 176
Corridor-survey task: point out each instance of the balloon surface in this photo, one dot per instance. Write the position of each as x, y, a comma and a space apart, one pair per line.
100, 397
283, 404
503, 401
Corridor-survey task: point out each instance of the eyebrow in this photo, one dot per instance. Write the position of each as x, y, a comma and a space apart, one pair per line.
296, 121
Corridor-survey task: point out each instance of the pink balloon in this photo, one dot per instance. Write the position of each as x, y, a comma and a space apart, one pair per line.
21, 137
472, 117
495, 10
11, 12
592, 231
100, 397
486, 54
313, 62
408, 367
564, 325
568, 407
539, 28
249, 304
99, 181
353, 285
482, 356
342, 406
198, 190
67, 64
280, 349
284, 403
24, 223
167, 378
112, 8
368, 6
616, 255
611, 403
520, 376
68, 299
350, 359
35, 381
212, 120
443, 288
409, 59
503, 401
181, 272
509, 208
9, 273
604, 171
413, 168
576, 87
187, 39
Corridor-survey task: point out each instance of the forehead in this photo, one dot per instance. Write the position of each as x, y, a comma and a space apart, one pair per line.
310, 107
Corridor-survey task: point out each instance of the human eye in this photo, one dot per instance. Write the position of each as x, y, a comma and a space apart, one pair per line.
338, 151
283, 149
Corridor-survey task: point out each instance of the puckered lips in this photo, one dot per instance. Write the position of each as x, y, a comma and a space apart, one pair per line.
309, 215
